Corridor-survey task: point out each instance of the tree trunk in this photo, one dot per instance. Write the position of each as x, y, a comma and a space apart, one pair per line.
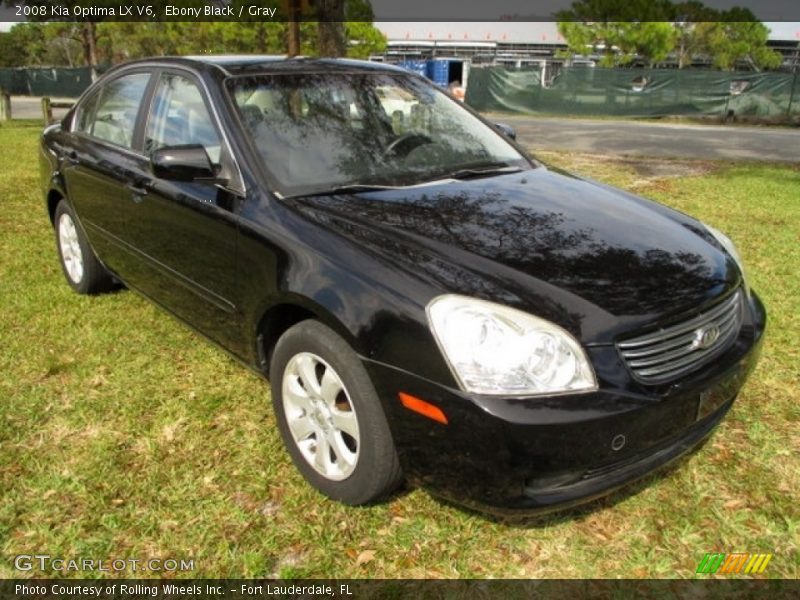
330, 28
261, 37
293, 28
90, 47
293, 38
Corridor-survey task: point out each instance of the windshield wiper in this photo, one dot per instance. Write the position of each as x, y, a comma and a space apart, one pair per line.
355, 188
466, 173
351, 188
475, 172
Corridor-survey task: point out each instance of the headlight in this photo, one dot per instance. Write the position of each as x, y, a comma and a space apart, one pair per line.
730, 248
494, 349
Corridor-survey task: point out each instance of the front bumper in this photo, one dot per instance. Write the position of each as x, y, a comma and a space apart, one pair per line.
531, 455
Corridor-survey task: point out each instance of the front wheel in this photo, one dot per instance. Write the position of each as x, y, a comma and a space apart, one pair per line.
84, 273
330, 417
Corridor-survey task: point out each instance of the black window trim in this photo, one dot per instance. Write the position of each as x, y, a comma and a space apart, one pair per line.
94, 96
225, 150
98, 91
235, 186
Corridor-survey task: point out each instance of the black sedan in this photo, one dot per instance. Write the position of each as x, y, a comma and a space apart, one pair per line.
428, 302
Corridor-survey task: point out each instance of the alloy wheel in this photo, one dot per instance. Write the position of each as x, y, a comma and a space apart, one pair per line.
321, 416
70, 248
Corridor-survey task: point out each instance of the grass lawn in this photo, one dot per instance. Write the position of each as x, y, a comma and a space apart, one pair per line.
125, 435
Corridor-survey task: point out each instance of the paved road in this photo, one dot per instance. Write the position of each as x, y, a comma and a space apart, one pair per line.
614, 137
29, 107
656, 139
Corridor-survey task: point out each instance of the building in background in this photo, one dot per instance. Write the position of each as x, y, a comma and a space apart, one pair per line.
444, 51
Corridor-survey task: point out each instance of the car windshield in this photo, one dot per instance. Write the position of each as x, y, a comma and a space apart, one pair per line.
318, 132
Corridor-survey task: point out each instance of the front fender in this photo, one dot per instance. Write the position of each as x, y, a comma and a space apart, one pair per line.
286, 259
51, 179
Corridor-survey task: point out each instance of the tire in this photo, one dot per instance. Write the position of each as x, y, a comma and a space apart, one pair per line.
84, 273
363, 466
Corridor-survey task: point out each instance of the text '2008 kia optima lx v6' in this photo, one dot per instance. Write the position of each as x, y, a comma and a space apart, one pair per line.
428, 303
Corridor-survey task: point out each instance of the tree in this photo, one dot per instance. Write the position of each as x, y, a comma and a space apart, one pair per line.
293, 28
123, 41
621, 30
339, 29
89, 43
735, 38
26, 44
620, 42
12, 53
688, 41
606, 11
42, 44
65, 43
87, 29
364, 39
330, 28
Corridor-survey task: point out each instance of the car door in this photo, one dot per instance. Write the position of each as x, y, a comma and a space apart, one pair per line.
101, 153
186, 231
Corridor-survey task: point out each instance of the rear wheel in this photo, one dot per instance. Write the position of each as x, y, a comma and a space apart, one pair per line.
330, 416
84, 273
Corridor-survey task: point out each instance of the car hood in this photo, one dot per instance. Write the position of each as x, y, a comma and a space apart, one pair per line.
556, 245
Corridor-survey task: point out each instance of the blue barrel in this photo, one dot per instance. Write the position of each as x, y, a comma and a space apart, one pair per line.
439, 72
418, 66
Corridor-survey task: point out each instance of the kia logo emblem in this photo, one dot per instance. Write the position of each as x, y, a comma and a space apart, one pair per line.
704, 337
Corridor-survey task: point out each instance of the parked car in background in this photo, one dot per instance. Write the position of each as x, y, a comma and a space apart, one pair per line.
428, 302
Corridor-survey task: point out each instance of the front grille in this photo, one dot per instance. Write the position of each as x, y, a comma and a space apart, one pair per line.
663, 355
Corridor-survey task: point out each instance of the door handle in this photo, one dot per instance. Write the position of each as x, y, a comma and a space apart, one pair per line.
138, 190
71, 157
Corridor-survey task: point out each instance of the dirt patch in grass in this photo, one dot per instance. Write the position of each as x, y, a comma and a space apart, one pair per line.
664, 169
639, 174
645, 169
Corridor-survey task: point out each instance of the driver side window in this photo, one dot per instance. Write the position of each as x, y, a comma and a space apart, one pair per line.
178, 116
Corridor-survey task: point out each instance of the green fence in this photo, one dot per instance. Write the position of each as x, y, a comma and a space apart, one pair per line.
574, 91
635, 92
63, 82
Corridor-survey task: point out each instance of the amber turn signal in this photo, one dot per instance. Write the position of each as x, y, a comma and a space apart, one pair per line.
422, 407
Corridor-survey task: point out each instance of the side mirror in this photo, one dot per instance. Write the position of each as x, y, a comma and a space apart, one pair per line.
183, 163
506, 130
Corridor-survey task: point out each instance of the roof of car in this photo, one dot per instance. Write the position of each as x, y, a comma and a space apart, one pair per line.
238, 64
